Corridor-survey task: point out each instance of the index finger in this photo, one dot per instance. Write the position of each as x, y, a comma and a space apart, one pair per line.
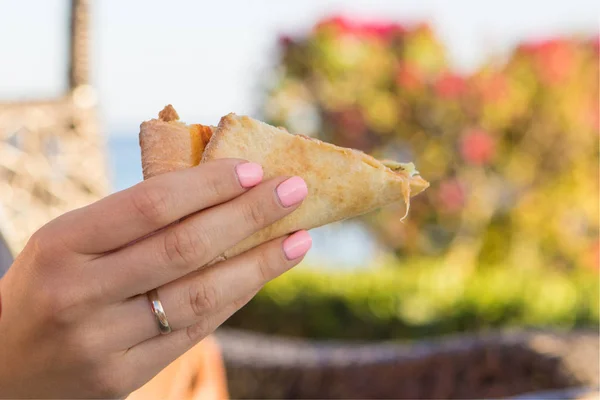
126, 216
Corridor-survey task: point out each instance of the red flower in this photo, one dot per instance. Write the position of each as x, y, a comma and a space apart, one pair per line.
351, 121
528, 48
450, 86
553, 58
593, 258
338, 23
555, 61
285, 41
451, 195
352, 128
380, 30
477, 147
492, 87
345, 26
409, 77
596, 44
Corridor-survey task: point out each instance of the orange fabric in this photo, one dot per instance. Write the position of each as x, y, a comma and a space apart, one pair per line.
197, 374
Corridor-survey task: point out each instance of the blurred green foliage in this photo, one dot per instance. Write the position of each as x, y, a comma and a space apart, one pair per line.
507, 234
511, 150
427, 298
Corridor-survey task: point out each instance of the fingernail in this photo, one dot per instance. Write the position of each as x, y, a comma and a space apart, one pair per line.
297, 245
292, 191
249, 174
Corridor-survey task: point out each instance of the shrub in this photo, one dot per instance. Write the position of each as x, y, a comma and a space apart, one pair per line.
424, 299
511, 150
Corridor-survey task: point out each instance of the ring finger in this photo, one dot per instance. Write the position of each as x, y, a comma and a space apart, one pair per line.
200, 295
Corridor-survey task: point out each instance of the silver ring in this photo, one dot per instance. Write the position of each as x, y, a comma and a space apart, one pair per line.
159, 312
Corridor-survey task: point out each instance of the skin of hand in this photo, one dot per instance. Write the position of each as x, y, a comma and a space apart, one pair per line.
75, 321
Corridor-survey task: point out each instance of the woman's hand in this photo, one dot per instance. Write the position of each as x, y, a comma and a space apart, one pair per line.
75, 320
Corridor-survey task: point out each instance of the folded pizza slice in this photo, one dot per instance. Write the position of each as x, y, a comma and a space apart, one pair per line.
342, 183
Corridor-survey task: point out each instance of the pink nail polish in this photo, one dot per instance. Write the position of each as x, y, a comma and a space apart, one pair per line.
292, 191
297, 245
249, 174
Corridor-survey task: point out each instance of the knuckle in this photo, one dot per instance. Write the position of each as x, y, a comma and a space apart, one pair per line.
151, 203
184, 244
37, 241
199, 330
203, 299
217, 187
53, 240
265, 266
241, 302
47, 249
254, 213
41, 246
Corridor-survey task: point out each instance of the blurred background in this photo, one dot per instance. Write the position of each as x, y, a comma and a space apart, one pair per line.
495, 102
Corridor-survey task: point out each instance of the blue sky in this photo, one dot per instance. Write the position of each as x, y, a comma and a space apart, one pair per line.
208, 58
